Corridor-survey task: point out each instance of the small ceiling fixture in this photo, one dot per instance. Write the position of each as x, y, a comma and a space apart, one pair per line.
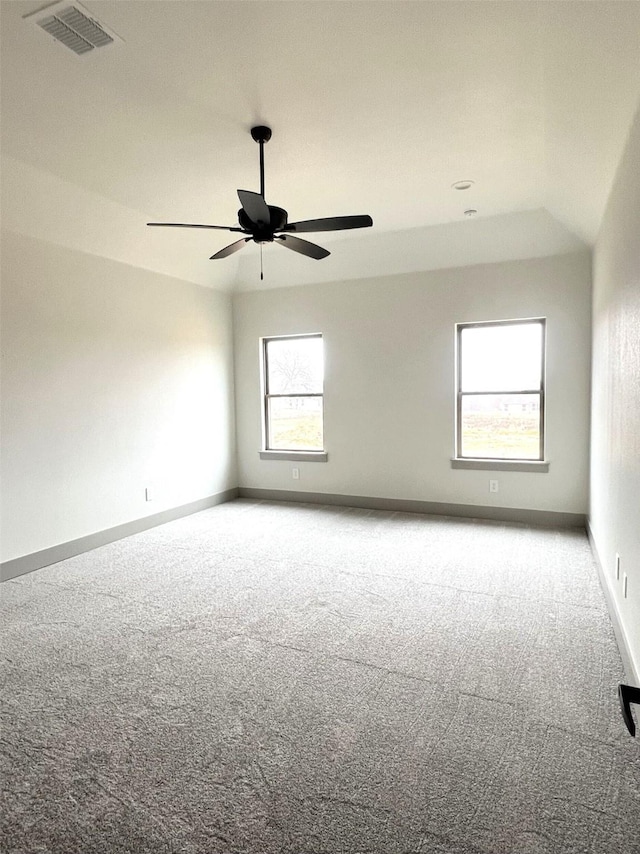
470, 212
462, 185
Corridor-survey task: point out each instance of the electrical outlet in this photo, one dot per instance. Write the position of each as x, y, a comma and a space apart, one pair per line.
149, 493
493, 486
295, 473
617, 567
625, 584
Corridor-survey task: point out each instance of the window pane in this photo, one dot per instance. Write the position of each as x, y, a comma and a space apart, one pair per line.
501, 358
500, 426
295, 423
295, 365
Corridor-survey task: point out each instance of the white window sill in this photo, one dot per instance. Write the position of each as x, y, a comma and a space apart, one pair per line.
296, 456
538, 466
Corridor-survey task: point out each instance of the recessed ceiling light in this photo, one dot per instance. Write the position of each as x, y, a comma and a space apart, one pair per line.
462, 185
470, 212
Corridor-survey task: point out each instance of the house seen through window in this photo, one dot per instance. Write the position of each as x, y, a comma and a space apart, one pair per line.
293, 399
500, 405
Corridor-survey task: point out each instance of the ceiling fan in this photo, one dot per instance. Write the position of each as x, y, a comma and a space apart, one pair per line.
265, 223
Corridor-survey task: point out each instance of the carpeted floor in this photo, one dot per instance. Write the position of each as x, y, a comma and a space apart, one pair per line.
287, 679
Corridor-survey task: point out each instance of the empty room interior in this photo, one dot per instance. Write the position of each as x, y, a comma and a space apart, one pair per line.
320, 427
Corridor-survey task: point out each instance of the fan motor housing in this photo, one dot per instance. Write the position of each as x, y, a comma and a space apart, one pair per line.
278, 221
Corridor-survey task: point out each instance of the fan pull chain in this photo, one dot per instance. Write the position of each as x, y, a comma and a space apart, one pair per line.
261, 273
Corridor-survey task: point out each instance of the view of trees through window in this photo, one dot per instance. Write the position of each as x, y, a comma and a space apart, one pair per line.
500, 390
294, 369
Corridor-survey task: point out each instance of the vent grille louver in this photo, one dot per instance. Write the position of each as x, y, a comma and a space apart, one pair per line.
75, 30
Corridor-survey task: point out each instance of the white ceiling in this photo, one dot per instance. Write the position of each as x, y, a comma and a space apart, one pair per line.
376, 107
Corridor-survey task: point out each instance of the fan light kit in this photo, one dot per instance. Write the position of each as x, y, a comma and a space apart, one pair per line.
265, 223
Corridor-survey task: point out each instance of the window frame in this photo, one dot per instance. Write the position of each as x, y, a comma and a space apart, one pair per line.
267, 396
541, 391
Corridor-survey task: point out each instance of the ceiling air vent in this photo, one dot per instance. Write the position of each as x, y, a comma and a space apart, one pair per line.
73, 26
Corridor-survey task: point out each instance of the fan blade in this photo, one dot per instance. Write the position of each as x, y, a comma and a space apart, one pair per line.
230, 249
197, 225
304, 247
330, 223
254, 206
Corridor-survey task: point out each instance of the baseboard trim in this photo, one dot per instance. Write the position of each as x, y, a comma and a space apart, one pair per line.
539, 518
37, 560
632, 674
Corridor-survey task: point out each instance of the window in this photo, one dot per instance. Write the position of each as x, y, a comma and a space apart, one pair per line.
293, 401
500, 406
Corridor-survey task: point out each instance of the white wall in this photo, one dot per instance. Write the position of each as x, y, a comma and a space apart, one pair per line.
615, 449
389, 389
113, 378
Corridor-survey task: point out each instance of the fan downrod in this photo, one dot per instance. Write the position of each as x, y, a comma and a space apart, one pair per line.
261, 133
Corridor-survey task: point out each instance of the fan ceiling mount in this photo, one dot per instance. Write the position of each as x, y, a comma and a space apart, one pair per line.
265, 223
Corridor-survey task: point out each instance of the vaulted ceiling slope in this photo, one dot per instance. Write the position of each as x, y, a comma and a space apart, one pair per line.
376, 107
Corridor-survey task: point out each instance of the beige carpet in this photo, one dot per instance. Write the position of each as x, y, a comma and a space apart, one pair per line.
276, 678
